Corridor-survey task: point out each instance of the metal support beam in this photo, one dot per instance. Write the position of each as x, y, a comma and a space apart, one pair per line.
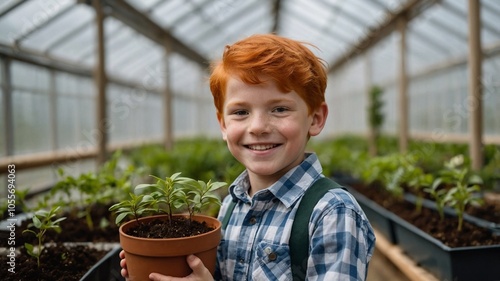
409, 11
140, 22
475, 101
101, 136
52, 63
403, 88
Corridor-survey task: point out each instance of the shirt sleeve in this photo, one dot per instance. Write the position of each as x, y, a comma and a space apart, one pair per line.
341, 239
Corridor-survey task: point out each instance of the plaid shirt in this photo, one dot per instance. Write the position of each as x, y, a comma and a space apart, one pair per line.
255, 243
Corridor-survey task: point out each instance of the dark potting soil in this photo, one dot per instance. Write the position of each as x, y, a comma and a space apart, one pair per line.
74, 229
177, 228
488, 212
428, 220
57, 263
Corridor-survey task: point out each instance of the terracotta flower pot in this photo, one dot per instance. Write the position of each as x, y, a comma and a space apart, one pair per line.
168, 256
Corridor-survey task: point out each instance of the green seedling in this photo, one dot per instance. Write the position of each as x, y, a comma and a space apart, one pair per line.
42, 220
200, 196
463, 187
438, 195
136, 207
168, 195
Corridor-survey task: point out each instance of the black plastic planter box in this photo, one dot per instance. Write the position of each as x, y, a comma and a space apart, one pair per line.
379, 217
107, 269
448, 264
494, 227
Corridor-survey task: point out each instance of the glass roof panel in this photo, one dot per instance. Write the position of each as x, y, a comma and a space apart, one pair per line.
7, 3
28, 16
60, 28
171, 11
205, 26
490, 13
143, 5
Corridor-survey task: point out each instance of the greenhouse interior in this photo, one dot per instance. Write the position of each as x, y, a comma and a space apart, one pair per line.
104, 102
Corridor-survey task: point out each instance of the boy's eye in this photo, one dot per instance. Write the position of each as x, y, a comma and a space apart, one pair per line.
280, 109
240, 112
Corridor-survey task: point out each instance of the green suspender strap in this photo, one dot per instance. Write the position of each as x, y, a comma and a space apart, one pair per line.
299, 237
229, 212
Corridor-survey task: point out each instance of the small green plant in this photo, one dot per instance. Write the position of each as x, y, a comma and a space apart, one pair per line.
463, 187
43, 220
387, 170
82, 193
166, 196
417, 180
200, 196
136, 207
438, 195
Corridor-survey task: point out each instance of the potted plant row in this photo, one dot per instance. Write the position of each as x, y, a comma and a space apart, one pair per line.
454, 188
68, 222
157, 238
46, 260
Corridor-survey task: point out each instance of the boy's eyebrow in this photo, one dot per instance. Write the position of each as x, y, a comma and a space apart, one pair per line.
273, 101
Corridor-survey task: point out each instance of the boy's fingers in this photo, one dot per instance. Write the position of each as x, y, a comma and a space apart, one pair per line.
200, 272
124, 273
159, 277
197, 266
122, 254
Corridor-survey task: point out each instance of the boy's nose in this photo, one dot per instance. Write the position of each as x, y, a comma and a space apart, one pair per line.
259, 124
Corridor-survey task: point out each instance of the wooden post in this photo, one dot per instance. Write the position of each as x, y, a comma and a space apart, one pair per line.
403, 89
167, 103
475, 101
101, 136
53, 110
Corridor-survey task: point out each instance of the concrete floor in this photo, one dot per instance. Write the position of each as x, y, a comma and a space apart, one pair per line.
381, 269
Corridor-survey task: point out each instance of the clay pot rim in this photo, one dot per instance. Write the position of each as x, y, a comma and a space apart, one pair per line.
217, 226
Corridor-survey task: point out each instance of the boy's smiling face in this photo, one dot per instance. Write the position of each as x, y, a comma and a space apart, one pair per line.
267, 130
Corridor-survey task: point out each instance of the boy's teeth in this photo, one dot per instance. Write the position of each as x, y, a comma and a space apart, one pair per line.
261, 147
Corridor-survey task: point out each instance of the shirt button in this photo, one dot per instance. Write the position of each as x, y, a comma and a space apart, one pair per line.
272, 256
253, 220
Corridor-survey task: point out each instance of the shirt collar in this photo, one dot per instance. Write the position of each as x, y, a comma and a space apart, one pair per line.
288, 189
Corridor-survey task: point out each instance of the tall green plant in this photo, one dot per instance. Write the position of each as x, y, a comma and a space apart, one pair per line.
375, 117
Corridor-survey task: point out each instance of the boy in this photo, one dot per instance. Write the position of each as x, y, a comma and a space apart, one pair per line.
269, 95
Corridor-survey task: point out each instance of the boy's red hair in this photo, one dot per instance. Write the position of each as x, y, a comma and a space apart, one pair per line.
289, 63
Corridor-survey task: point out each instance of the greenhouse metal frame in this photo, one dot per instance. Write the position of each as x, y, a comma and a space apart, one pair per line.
82, 78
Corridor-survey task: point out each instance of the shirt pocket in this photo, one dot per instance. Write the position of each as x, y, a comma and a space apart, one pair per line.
272, 262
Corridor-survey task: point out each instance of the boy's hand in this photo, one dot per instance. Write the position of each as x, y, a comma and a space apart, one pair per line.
200, 272
123, 264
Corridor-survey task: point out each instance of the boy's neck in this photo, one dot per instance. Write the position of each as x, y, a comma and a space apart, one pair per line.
258, 183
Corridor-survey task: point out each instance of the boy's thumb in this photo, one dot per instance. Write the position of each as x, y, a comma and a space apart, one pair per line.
196, 265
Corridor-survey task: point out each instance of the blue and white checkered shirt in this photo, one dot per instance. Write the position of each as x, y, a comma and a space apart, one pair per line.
255, 243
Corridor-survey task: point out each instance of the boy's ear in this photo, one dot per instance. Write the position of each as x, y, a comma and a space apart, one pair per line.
222, 126
319, 116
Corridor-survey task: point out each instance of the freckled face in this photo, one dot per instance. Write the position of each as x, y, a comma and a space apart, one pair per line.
267, 130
